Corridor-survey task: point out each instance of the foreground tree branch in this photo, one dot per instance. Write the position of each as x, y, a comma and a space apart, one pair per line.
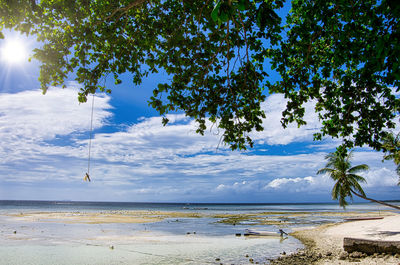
342, 55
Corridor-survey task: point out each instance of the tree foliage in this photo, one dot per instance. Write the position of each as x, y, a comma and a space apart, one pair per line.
391, 146
347, 182
343, 54
213, 54
338, 167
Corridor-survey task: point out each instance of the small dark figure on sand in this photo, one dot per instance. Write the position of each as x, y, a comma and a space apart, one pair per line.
282, 232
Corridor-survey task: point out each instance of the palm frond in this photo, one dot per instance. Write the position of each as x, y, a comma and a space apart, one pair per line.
349, 157
339, 169
336, 191
358, 188
358, 168
325, 170
388, 157
356, 178
396, 158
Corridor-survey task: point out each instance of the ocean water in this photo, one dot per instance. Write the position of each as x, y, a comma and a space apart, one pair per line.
177, 240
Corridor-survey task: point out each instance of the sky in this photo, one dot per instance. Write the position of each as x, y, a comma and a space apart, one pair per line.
44, 149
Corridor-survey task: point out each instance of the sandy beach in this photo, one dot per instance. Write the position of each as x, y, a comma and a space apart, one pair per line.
191, 237
324, 244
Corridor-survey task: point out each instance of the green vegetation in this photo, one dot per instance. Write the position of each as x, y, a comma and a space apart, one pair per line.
346, 179
391, 145
342, 54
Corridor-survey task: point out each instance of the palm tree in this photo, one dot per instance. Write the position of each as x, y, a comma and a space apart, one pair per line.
347, 182
391, 146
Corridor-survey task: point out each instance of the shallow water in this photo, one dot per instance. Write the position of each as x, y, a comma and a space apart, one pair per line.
40, 241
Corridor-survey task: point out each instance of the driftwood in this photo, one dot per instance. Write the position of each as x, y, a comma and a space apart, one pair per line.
371, 246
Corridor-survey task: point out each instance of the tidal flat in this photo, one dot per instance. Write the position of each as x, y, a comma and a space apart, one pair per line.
79, 234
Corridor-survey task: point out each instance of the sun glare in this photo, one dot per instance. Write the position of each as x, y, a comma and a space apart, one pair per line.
13, 51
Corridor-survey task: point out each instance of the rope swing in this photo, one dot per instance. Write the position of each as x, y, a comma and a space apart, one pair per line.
87, 176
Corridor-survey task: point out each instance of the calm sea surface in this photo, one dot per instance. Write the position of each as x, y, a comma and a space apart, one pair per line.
204, 240
11, 205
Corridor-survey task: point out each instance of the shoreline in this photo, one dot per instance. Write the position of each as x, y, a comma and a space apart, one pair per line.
324, 244
321, 244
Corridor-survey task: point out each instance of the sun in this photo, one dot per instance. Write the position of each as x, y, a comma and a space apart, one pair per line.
13, 51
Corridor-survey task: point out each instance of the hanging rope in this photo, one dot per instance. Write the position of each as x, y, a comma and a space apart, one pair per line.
87, 177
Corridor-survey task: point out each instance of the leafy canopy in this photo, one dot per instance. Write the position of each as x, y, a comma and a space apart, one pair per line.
343, 54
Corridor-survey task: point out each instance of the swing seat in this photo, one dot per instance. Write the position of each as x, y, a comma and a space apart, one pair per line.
86, 178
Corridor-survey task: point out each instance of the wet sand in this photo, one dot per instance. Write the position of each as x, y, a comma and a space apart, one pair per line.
129, 237
106, 217
324, 244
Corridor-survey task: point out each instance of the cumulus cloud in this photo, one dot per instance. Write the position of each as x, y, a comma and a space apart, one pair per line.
31, 115
149, 139
275, 134
44, 139
29, 120
31, 123
279, 182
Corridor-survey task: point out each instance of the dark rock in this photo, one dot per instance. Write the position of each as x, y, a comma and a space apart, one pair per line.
217, 259
283, 253
370, 246
328, 254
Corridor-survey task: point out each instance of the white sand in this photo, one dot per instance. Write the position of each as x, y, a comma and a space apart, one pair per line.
387, 229
329, 239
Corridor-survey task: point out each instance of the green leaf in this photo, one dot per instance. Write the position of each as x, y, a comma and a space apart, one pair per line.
215, 12
241, 5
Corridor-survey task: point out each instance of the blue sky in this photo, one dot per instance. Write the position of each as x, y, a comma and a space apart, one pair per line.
44, 150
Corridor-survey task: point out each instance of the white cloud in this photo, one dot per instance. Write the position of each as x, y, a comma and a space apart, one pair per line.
29, 120
279, 182
30, 123
31, 115
44, 138
381, 177
275, 134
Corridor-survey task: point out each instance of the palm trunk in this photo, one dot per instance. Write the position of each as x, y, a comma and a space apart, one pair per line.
372, 200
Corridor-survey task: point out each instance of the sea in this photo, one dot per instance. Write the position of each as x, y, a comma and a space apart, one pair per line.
205, 239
